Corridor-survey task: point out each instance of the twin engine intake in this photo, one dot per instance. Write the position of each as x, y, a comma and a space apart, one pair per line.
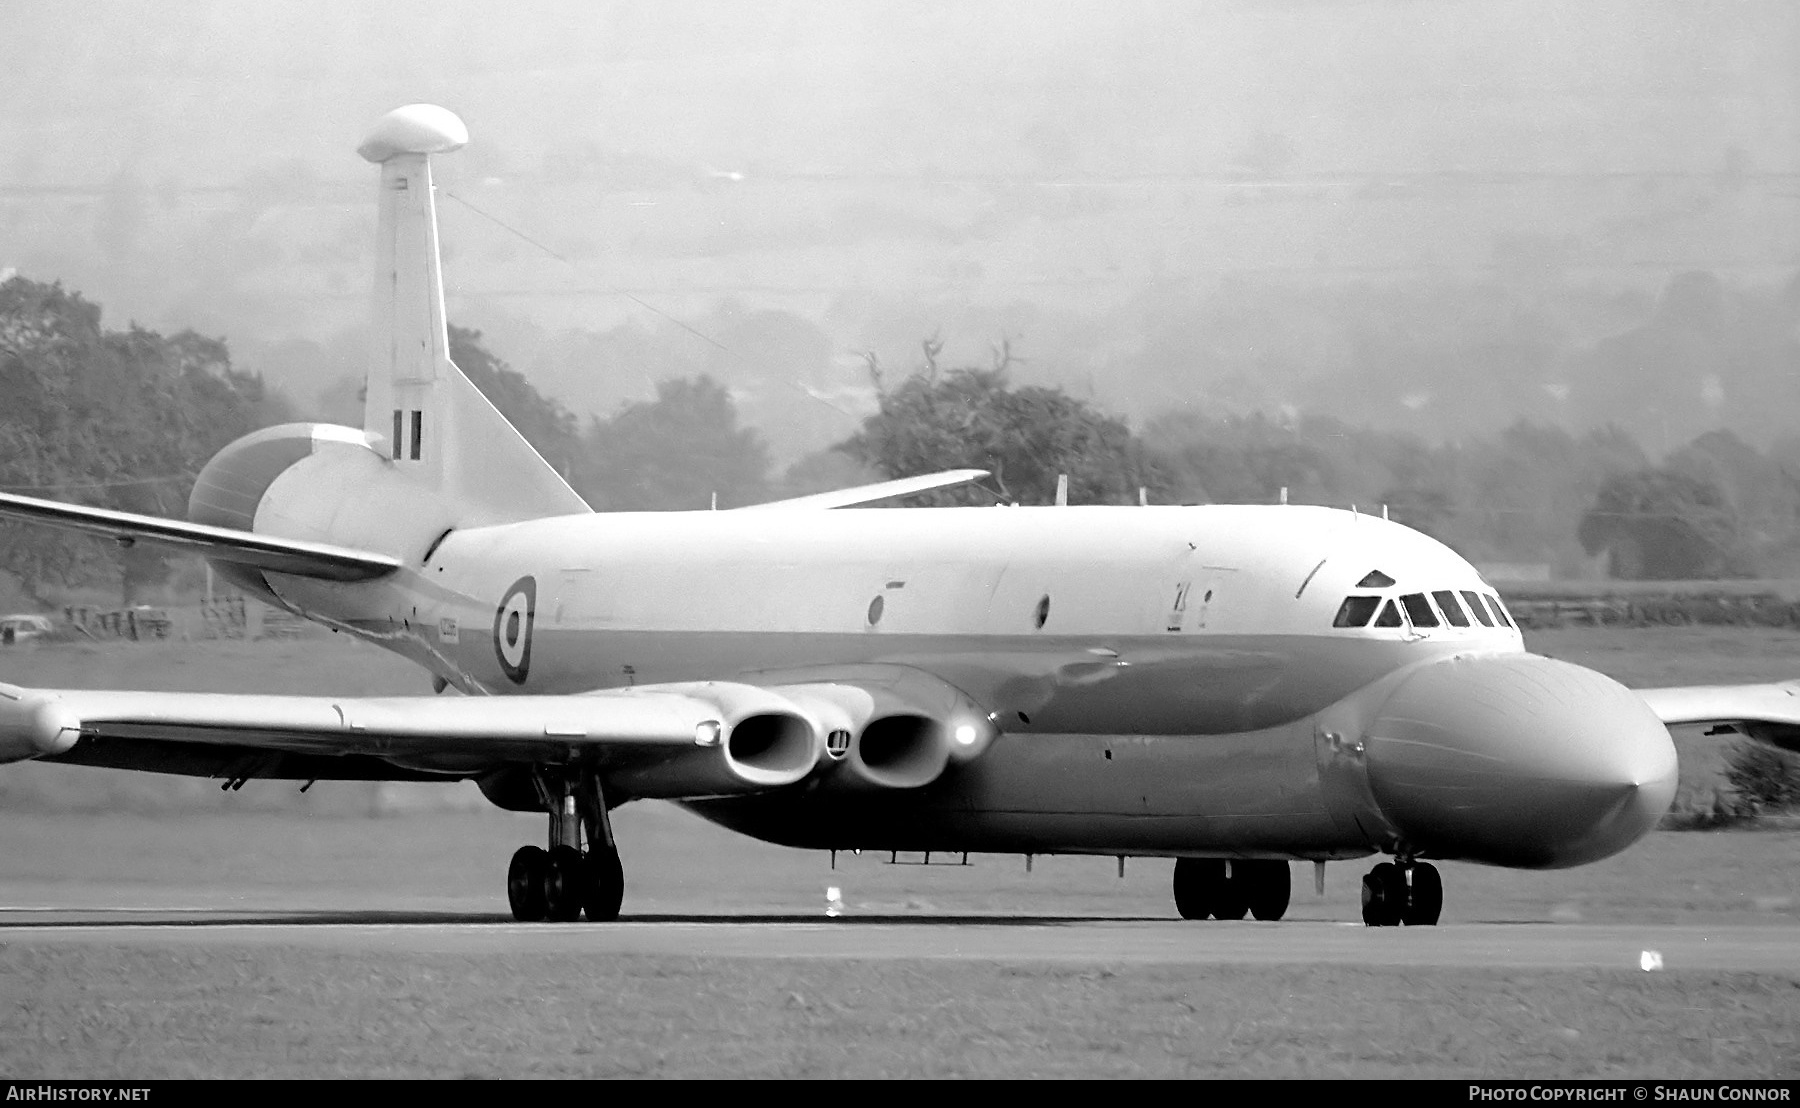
885, 727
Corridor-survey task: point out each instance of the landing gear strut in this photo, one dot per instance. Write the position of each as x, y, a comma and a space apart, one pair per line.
1231, 889
1405, 892
564, 882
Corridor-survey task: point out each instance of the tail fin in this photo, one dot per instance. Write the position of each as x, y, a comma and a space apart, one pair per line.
433, 421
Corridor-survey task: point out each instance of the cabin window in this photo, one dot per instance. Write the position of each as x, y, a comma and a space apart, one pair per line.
1477, 609
1389, 617
1356, 611
1375, 579
418, 436
1446, 602
399, 428
1499, 610
1418, 609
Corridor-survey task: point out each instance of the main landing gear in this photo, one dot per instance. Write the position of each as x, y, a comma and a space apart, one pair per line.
1225, 889
565, 882
1404, 892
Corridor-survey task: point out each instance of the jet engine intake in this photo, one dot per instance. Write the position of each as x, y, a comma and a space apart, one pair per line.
764, 741
899, 752
771, 748
906, 727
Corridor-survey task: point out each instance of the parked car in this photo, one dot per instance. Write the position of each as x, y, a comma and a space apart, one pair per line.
22, 628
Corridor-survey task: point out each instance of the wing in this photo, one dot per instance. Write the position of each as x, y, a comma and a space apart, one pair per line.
1768, 713
709, 739
865, 494
310, 559
684, 740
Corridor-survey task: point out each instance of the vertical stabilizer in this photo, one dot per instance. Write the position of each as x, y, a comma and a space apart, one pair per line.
431, 421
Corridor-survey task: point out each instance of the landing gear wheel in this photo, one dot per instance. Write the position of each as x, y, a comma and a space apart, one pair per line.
563, 884
1194, 883
1270, 887
604, 887
1231, 896
1383, 895
525, 883
1425, 897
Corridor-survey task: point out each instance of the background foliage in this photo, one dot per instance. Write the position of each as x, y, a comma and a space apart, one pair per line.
124, 418
118, 419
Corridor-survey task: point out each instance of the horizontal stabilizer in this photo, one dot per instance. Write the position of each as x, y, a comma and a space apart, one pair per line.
305, 559
885, 490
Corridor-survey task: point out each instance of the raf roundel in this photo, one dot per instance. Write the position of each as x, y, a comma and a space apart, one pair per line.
512, 629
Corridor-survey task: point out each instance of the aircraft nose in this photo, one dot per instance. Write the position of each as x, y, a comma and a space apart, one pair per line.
1519, 760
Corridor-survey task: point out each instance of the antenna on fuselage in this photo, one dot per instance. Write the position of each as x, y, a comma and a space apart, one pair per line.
1062, 490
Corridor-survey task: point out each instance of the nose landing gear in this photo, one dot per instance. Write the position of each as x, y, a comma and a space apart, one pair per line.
564, 882
1409, 893
1225, 889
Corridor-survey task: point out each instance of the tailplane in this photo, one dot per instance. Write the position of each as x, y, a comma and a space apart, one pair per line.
428, 418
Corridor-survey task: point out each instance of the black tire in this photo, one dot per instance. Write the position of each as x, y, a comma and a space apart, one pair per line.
563, 885
1231, 897
604, 885
1194, 883
1425, 897
525, 883
1383, 895
1271, 887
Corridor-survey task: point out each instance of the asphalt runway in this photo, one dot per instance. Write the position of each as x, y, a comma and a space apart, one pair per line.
1054, 939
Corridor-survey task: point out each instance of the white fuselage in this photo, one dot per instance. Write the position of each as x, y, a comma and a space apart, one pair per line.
1163, 679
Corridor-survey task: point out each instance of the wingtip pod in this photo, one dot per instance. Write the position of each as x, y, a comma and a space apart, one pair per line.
33, 726
414, 129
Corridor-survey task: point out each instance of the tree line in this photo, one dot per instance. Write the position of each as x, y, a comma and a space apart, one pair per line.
125, 419
116, 419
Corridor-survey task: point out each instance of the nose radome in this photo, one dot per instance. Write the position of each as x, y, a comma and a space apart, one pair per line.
1519, 760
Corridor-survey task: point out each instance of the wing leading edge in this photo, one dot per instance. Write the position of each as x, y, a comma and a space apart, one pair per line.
710, 739
883, 490
306, 559
679, 740
1768, 713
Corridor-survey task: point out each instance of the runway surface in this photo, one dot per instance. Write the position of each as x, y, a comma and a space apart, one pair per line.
1089, 940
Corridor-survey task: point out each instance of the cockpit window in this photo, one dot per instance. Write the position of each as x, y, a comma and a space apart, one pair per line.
1389, 617
1356, 610
1477, 609
1446, 602
1418, 609
1499, 610
1375, 580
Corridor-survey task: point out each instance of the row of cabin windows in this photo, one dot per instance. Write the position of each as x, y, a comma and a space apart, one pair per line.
1358, 611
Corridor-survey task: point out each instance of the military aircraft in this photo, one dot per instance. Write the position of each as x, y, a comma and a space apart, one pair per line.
1232, 686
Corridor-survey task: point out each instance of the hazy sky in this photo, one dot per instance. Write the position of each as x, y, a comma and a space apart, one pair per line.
1017, 86
191, 164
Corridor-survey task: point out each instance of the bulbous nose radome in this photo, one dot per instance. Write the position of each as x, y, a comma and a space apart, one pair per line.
1519, 760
